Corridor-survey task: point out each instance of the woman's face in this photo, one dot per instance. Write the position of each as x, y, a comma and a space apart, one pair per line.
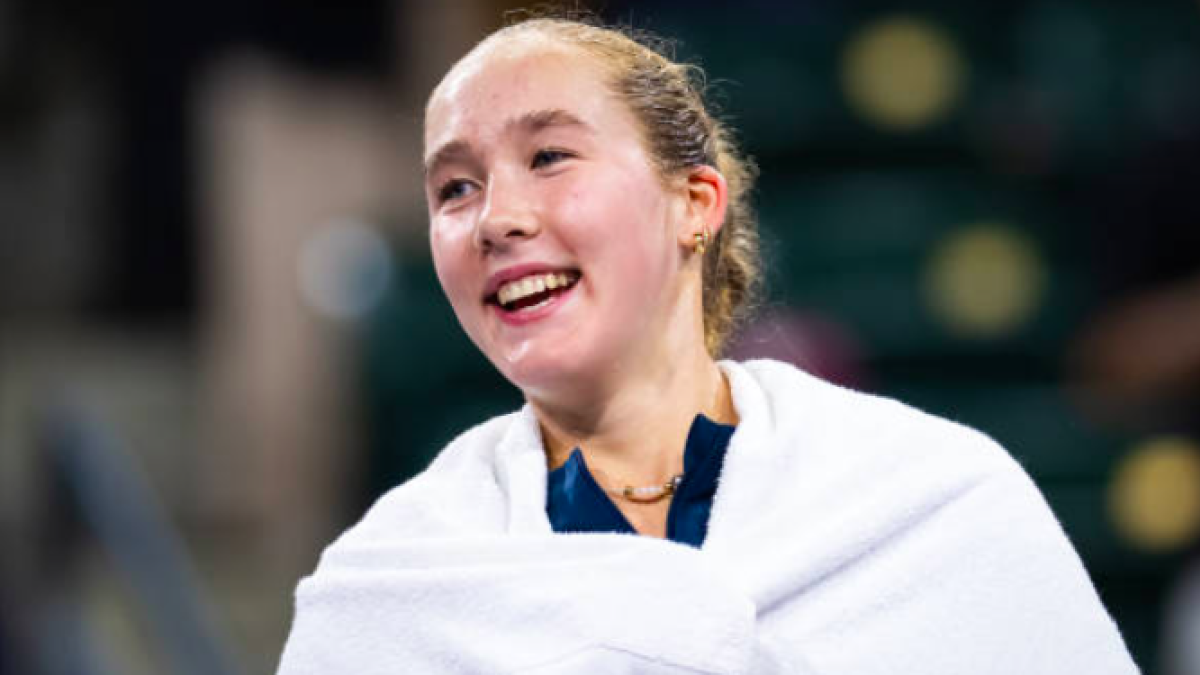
553, 235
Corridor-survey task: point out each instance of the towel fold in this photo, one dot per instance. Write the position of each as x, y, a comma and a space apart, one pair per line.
849, 534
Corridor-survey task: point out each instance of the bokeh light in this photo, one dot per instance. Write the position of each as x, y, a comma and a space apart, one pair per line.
985, 281
344, 270
1154, 496
902, 73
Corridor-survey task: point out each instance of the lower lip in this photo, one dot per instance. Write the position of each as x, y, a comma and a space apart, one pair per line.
525, 317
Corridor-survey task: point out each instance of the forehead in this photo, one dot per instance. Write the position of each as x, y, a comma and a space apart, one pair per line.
497, 82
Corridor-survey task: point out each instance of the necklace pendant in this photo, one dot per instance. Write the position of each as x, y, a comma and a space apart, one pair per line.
646, 493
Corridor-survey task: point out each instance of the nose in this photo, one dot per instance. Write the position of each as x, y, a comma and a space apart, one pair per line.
507, 217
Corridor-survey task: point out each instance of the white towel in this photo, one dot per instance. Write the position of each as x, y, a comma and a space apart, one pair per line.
849, 535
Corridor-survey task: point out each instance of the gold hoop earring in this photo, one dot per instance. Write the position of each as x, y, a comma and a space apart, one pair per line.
702, 239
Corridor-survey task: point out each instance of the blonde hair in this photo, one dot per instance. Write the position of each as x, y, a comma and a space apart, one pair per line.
679, 132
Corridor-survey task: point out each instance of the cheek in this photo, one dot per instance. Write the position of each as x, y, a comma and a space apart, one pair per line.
451, 263
637, 232
616, 216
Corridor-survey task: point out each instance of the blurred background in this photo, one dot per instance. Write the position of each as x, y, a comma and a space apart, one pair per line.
221, 336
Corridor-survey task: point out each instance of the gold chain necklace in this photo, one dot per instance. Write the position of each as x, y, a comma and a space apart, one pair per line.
648, 493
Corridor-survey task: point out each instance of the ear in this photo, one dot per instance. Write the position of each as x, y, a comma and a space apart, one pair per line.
707, 199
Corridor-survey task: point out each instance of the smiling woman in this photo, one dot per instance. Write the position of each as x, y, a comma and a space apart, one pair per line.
538, 172
652, 509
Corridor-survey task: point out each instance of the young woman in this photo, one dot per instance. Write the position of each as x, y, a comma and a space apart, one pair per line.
651, 509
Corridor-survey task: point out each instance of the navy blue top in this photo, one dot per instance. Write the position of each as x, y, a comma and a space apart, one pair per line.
576, 503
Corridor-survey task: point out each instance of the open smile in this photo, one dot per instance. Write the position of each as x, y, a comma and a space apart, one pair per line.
528, 297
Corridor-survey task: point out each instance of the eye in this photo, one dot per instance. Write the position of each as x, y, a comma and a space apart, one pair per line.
547, 156
454, 189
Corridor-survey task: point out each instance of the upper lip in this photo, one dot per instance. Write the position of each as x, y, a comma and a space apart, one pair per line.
515, 272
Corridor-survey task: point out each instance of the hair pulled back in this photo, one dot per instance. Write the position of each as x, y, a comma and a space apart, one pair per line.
680, 132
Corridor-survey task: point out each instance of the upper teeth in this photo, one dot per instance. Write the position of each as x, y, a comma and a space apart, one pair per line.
534, 283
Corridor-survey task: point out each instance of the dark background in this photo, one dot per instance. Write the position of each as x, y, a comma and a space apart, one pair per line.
990, 211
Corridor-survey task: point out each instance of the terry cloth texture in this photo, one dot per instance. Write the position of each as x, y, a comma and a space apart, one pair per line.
849, 534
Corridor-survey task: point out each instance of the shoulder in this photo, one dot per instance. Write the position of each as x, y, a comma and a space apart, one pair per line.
817, 456
851, 470
883, 501
831, 419
457, 492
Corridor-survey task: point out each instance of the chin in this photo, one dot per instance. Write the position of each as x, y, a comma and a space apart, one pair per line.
536, 377
540, 375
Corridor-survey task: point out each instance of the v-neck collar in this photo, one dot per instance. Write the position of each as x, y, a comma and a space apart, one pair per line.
575, 502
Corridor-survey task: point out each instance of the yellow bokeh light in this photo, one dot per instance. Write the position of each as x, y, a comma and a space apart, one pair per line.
902, 73
1154, 496
985, 281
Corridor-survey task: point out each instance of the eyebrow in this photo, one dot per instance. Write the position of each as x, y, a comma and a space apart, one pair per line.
529, 123
540, 120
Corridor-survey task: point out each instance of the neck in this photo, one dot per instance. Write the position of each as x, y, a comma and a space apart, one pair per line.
633, 431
